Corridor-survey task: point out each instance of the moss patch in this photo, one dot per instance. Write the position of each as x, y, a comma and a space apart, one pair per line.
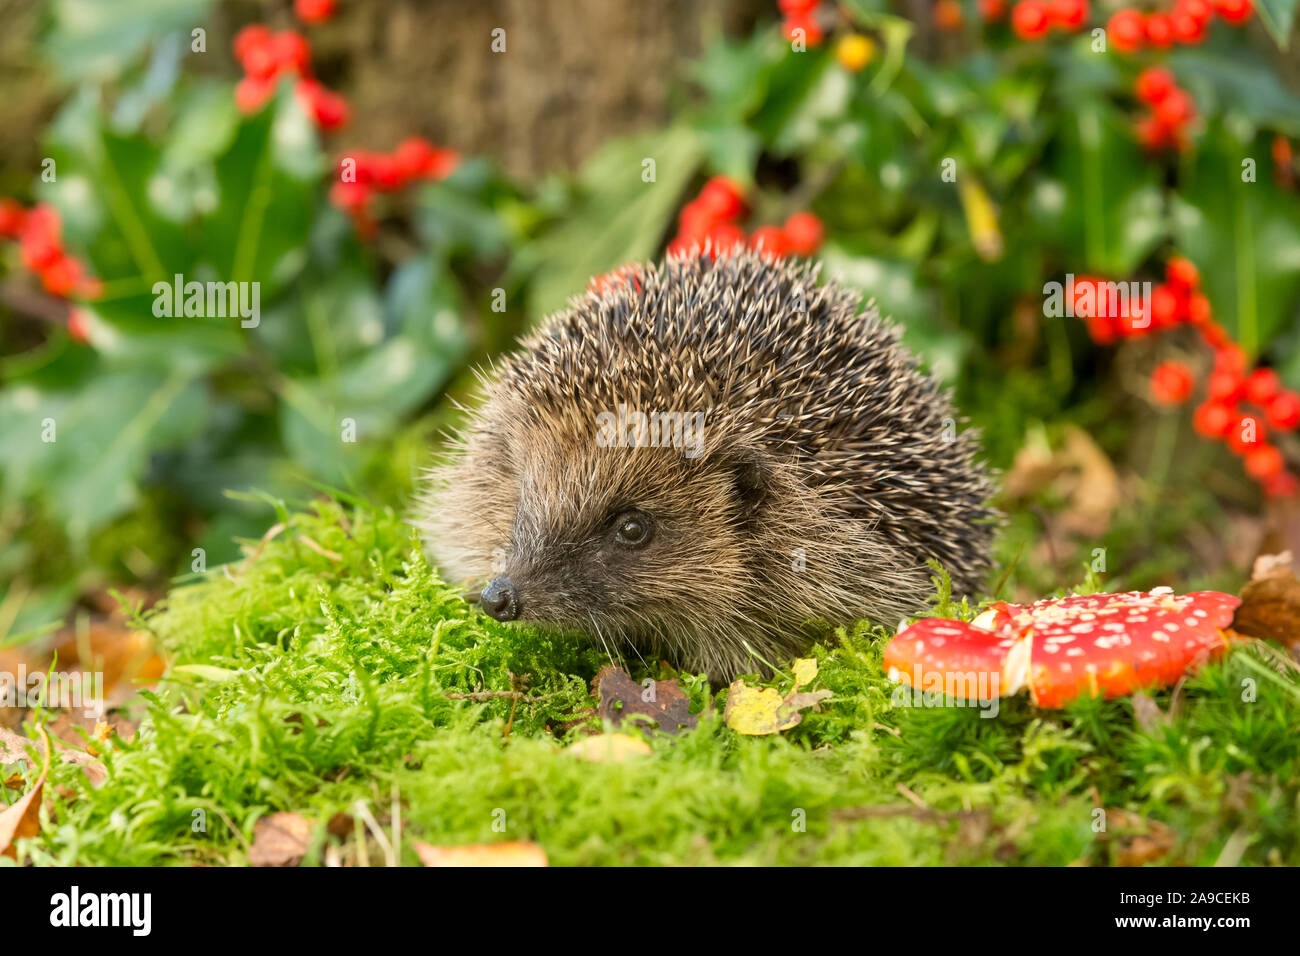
317, 674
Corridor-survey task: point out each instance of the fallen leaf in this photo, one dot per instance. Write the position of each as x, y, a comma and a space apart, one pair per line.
1138, 840
1147, 713
13, 747
608, 748
1270, 603
762, 710
22, 818
481, 854
621, 697
805, 671
280, 839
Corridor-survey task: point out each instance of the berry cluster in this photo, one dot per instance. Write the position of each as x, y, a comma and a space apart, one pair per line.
315, 11
40, 247
364, 174
801, 15
266, 57
1230, 387
1033, 20
1186, 22
713, 217
1172, 110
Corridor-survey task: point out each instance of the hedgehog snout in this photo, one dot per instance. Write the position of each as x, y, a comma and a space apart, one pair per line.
501, 599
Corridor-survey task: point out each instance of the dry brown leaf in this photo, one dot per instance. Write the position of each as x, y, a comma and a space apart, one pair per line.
1079, 470
280, 839
1138, 840
1270, 603
22, 818
608, 748
1147, 713
482, 854
13, 747
620, 697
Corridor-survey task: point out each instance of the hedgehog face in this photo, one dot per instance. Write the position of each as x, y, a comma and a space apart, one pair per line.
620, 541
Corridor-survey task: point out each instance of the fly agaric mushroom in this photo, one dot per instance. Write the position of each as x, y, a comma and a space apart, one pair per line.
1099, 644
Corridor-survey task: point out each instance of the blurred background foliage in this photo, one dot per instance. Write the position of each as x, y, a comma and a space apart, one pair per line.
159, 173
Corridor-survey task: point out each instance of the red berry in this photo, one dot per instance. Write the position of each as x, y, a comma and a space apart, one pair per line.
1263, 462
315, 11
260, 61
291, 52
793, 8
1153, 134
1231, 359
1068, 15
1159, 31
413, 157
695, 220
251, 94
350, 197
1246, 434
62, 276
1164, 307
1283, 411
252, 36
948, 15
803, 233
1175, 109
1199, 10
993, 10
769, 239
1235, 12
1223, 386
79, 326
1198, 310
812, 33
1154, 84
725, 236
1284, 485
723, 198
327, 108
1213, 419
1171, 383
11, 218
1030, 20
1101, 329
1186, 28
1261, 386
1126, 30
39, 244
1182, 272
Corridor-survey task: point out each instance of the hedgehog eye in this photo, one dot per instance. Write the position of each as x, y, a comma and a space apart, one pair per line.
632, 529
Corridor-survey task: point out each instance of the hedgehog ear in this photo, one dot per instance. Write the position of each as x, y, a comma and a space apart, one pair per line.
750, 477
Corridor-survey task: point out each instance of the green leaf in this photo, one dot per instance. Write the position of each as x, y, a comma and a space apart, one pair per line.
1113, 216
623, 218
1244, 237
1278, 17
95, 38
267, 183
103, 432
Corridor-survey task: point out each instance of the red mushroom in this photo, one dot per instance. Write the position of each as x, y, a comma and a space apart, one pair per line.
1101, 644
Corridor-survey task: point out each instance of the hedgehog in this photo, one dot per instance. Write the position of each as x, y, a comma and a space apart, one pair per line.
708, 461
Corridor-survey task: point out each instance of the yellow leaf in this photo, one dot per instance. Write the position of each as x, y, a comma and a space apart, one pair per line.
608, 748
805, 670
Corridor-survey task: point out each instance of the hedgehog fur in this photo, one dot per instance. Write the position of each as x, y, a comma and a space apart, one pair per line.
824, 471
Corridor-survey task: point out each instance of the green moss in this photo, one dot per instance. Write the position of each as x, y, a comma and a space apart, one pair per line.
317, 674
